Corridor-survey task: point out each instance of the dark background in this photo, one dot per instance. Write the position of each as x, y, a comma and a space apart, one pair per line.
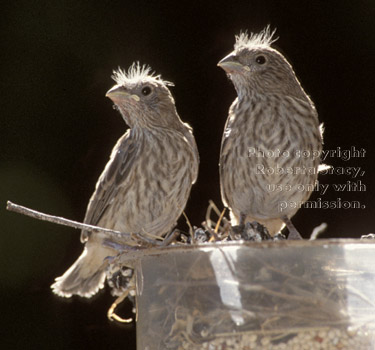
57, 127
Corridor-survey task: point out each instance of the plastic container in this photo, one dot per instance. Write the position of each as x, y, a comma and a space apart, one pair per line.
277, 295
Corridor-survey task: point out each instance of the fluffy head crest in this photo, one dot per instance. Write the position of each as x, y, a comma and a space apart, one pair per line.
136, 73
262, 39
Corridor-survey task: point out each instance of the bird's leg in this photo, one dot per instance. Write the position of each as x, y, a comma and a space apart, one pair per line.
293, 233
111, 311
171, 237
242, 219
238, 229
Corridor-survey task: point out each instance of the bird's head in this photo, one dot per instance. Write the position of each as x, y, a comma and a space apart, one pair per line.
142, 97
255, 67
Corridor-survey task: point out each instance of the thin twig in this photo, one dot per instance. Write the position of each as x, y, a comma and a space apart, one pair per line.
219, 221
208, 221
214, 207
191, 231
62, 221
317, 231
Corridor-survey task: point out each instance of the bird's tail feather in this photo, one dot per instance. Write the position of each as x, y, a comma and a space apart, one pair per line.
86, 276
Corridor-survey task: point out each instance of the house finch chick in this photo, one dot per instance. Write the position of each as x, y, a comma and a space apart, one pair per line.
272, 141
146, 183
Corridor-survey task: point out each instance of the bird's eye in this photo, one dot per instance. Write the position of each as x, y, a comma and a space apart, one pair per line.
146, 90
260, 59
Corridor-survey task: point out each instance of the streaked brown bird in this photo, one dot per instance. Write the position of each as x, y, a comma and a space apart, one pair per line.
146, 183
272, 140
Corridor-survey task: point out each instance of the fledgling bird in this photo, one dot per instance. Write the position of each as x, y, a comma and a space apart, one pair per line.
268, 160
146, 183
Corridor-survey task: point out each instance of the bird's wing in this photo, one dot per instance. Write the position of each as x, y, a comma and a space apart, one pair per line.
115, 174
225, 146
188, 133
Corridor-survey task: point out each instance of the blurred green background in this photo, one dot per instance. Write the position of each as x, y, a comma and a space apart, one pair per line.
57, 129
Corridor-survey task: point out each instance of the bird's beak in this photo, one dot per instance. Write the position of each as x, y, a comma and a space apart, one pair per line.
118, 93
230, 64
